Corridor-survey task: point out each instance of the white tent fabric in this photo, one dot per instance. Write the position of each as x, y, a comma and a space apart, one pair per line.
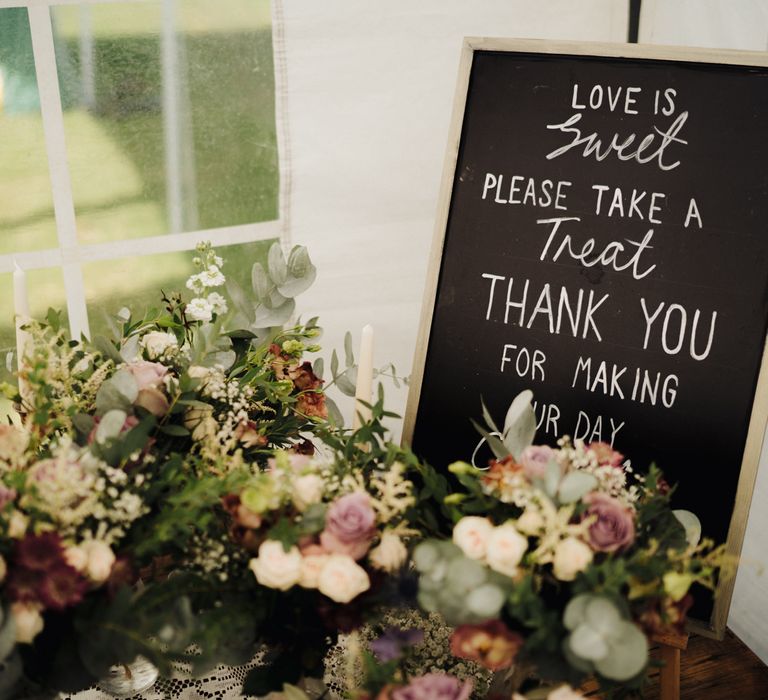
366, 102
727, 24
364, 98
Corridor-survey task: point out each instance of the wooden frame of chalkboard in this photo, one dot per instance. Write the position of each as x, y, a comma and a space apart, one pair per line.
758, 417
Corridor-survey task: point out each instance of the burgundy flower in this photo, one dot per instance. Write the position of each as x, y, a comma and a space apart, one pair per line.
491, 644
40, 552
24, 584
350, 524
61, 587
606, 454
614, 526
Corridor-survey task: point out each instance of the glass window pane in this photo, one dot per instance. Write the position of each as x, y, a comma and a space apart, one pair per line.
26, 205
136, 282
169, 115
45, 289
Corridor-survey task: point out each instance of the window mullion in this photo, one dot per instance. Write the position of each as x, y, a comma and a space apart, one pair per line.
53, 127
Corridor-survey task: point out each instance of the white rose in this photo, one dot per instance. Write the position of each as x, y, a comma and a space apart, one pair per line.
100, 560
29, 622
307, 490
530, 522
157, 343
76, 557
390, 554
505, 549
276, 568
565, 692
17, 525
571, 557
342, 579
471, 535
311, 566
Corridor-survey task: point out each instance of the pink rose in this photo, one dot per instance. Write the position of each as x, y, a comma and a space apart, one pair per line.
614, 525
535, 460
148, 375
606, 454
350, 525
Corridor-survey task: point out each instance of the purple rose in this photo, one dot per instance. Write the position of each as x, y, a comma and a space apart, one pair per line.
391, 645
535, 459
434, 686
350, 525
614, 526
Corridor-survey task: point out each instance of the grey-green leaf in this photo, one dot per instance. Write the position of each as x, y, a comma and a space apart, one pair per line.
260, 282
520, 424
348, 352
293, 286
278, 270
266, 318
575, 485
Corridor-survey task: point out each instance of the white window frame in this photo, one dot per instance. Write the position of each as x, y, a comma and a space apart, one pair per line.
70, 255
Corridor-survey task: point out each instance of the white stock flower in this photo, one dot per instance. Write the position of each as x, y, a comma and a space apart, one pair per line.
276, 568
341, 579
29, 622
100, 560
211, 277
471, 535
311, 566
571, 556
307, 489
218, 303
505, 549
157, 343
390, 554
195, 284
199, 309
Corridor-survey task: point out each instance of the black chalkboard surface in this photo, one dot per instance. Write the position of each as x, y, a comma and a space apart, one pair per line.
603, 241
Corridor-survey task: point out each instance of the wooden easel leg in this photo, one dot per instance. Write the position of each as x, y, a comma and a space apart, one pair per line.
670, 673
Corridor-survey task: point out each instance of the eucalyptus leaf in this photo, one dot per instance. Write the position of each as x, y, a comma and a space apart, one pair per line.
110, 425
345, 384
335, 416
7, 634
628, 655
293, 286
240, 301
692, 526
334, 364
604, 617
124, 381
348, 352
299, 263
260, 282
266, 318
520, 424
575, 485
488, 418
576, 611
278, 270
494, 442
274, 300
318, 367
588, 643
223, 358
130, 350
107, 348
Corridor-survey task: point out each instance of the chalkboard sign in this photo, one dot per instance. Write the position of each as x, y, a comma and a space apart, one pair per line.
602, 240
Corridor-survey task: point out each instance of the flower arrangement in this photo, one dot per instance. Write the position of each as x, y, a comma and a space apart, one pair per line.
575, 561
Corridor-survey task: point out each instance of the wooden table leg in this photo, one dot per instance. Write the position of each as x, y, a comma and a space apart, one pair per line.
670, 672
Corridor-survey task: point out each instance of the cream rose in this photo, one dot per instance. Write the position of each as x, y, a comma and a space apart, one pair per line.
471, 535
390, 554
17, 525
157, 343
29, 622
571, 556
100, 560
307, 489
76, 557
276, 568
311, 566
530, 522
341, 579
505, 549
